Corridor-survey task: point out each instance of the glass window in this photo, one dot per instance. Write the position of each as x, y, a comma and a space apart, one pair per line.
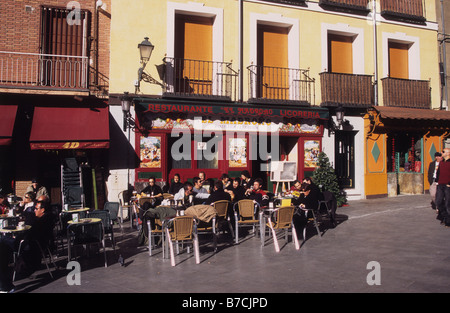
404, 153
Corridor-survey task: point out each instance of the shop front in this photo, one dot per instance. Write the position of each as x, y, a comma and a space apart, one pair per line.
70, 145
188, 138
400, 144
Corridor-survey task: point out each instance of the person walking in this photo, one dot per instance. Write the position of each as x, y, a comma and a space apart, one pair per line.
443, 189
433, 177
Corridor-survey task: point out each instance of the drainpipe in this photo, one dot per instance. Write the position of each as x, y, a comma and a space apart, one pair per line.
375, 52
444, 58
241, 52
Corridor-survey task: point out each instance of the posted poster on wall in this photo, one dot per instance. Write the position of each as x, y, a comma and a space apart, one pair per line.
150, 152
312, 149
238, 152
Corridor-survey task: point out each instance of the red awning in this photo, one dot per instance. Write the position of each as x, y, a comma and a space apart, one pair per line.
70, 128
7, 119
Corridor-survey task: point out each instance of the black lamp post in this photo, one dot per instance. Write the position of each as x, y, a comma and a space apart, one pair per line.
125, 101
340, 112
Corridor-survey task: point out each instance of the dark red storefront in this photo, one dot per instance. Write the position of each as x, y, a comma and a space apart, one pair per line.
186, 138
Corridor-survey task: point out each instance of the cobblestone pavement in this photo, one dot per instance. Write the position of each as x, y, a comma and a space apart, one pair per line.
401, 235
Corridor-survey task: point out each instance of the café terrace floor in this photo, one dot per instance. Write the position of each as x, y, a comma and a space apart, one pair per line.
401, 234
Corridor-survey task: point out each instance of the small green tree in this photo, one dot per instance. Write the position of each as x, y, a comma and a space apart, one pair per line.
325, 177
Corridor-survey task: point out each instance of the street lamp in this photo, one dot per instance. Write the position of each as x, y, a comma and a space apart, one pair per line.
125, 101
340, 112
145, 49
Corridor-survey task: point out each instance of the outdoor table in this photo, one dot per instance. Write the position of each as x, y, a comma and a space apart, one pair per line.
81, 222
14, 231
5, 217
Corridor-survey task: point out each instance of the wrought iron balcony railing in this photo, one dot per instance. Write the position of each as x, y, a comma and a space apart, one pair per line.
199, 79
348, 90
29, 70
280, 85
359, 5
406, 93
293, 2
411, 10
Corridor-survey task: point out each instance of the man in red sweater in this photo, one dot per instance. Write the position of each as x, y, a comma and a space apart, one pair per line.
443, 189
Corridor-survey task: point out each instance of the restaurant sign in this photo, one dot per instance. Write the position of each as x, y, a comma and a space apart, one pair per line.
247, 111
69, 145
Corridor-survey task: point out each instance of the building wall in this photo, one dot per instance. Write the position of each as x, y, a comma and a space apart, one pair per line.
20, 28
307, 49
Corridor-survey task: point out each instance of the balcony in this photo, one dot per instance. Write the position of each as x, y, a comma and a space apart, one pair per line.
346, 5
198, 79
293, 2
406, 93
348, 90
280, 85
404, 10
43, 71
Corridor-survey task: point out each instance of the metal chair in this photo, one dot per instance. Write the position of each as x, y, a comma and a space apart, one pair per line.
85, 234
152, 233
105, 216
283, 221
221, 207
330, 203
313, 219
123, 199
182, 228
43, 256
245, 216
113, 209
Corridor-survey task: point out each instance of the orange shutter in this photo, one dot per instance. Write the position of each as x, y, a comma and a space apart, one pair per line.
398, 60
193, 44
273, 56
340, 54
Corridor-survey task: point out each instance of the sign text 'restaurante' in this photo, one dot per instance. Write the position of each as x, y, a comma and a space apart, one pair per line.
167, 108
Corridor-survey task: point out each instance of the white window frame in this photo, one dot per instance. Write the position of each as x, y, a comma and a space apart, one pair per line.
413, 53
357, 46
276, 20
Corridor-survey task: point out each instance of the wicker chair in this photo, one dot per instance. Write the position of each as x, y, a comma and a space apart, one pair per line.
245, 216
282, 221
181, 228
222, 213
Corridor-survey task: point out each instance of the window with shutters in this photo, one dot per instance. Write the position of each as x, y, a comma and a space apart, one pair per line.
64, 48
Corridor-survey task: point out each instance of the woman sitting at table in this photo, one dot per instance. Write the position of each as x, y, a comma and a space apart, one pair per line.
306, 202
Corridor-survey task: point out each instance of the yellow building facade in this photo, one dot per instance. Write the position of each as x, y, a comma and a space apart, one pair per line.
311, 58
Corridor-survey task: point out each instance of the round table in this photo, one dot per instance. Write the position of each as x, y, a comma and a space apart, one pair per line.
85, 221
15, 230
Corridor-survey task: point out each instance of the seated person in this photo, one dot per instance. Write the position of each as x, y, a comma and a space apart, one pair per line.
314, 188
201, 194
218, 194
225, 180
156, 196
236, 191
176, 185
307, 201
296, 189
4, 205
257, 194
246, 180
37, 188
41, 231
26, 206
